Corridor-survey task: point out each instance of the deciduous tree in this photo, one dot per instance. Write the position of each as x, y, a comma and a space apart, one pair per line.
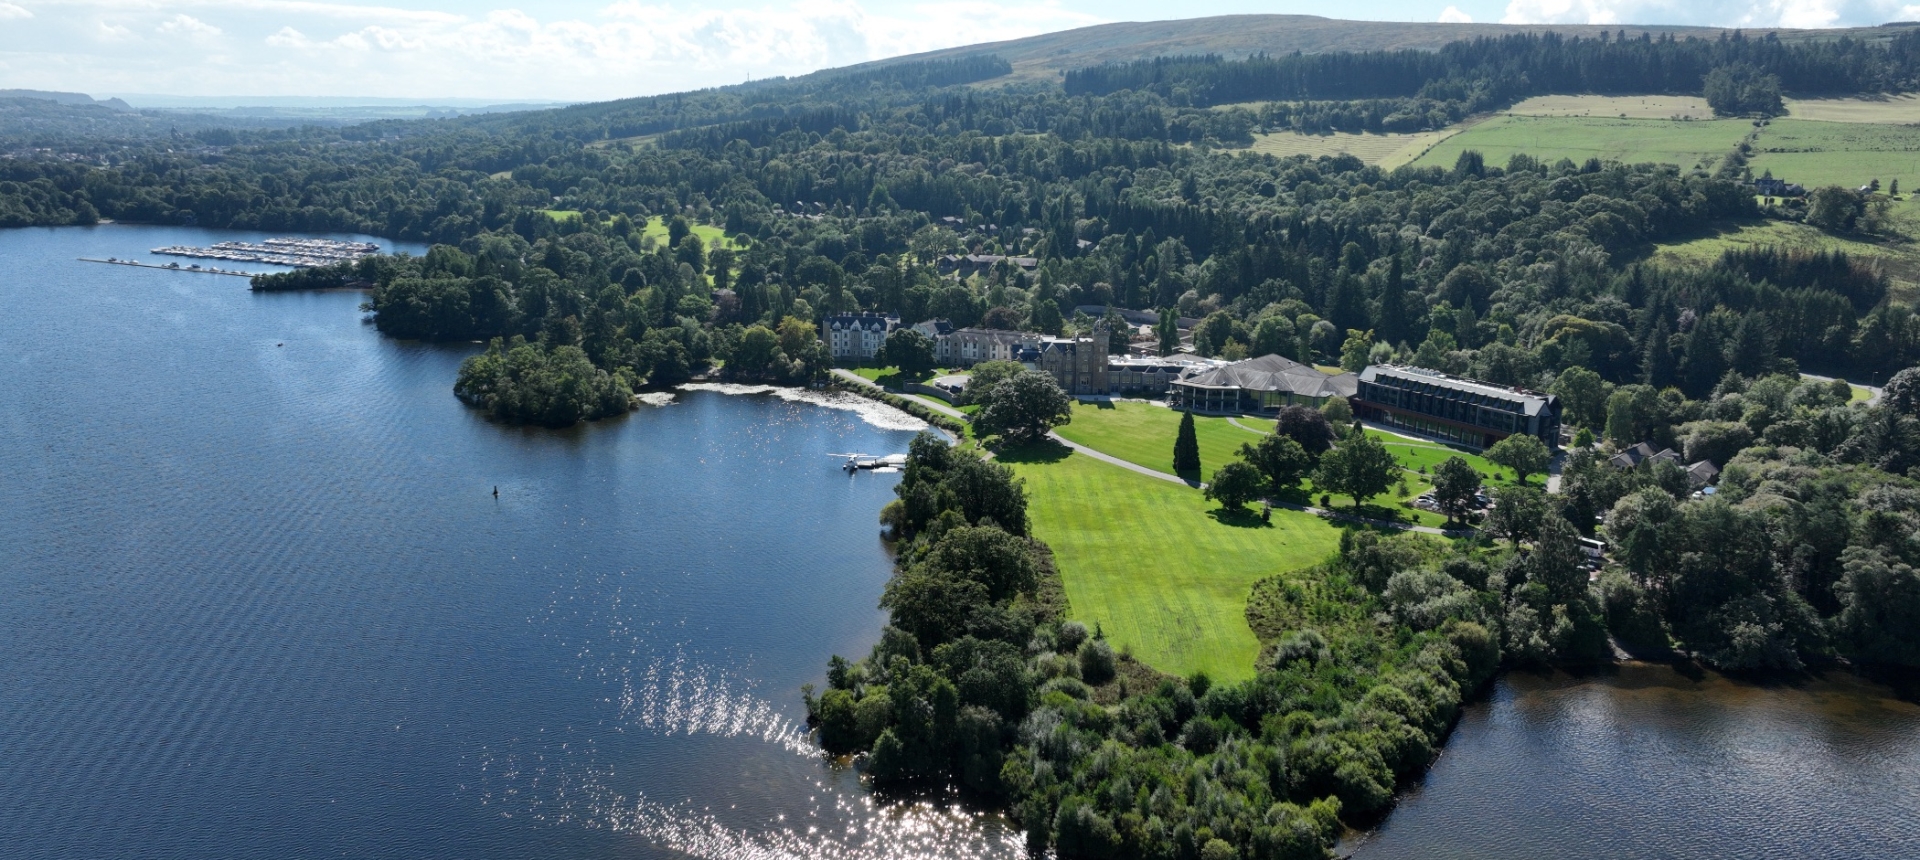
1234, 485
1454, 485
1024, 407
1523, 453
1361, 467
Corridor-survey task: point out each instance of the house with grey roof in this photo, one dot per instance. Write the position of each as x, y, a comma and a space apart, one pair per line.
856, 337
1258, 385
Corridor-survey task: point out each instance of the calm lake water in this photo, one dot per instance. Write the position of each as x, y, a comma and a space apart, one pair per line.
1642, 762
257, 600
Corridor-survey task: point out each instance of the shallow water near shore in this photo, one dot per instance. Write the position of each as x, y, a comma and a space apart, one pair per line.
257, 600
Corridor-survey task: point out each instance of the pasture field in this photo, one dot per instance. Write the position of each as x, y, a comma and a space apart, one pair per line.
1848, 154
1688, 144
1155, 565
1900, 262
1619, 107
1897, 110
1386, 151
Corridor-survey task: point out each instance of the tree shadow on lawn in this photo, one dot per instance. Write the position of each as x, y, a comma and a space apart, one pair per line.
1240, 518
1040, 452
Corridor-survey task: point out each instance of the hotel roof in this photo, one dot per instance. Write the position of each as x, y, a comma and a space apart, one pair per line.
1397, 376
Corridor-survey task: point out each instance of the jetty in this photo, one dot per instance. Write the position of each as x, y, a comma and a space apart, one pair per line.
858, 463
171, 267
300, 253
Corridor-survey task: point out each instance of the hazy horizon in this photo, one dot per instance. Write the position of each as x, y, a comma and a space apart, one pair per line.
237, 51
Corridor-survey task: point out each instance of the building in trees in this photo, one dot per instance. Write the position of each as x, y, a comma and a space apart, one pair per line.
969, 346
1459, 410
1128, 374
1078, 364
858, 337
1259, 385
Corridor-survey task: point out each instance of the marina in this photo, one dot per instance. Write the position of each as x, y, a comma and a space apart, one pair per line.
172, 267
279, 252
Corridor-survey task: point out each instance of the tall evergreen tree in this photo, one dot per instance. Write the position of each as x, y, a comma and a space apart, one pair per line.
1704, 361
1169, 331
1392, 323
1186, 448
1657, 365
1751, 353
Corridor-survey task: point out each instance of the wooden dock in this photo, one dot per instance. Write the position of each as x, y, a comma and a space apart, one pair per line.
169, 267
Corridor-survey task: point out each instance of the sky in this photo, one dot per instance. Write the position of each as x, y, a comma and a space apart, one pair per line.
582, 50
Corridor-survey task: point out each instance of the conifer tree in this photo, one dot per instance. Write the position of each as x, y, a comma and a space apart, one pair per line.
1186, 448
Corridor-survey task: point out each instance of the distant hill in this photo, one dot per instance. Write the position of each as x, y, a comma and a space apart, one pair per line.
1046, 56
64, 98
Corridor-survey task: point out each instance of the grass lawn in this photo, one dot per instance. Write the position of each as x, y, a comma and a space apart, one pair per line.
1427, 455
1143, 434
710, 236
1838, 153
1153, 564
1687, 144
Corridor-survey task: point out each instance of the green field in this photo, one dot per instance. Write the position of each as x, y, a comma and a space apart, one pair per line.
1848, 154
1900, 262
1688, 144
1898, 110
1152, 564
1387, 151
1629, 107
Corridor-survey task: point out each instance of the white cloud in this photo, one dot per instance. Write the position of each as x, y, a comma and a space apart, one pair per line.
187, 26
1725, 13
631, 47
107, 31
1453, 15
10, 12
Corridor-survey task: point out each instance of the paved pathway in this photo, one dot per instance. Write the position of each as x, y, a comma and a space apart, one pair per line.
1873, 391
1236, 422
1320, 512
846, 375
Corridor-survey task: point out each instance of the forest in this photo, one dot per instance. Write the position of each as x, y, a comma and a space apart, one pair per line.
566, 241
1495, 72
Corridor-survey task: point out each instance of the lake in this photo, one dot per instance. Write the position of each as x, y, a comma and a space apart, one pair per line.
258, 600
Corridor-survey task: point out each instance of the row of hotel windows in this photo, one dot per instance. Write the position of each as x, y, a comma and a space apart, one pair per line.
1438, 430
1480, 416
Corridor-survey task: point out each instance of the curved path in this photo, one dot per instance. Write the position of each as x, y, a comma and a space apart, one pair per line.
1236, 422
846, 375
1198, 485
